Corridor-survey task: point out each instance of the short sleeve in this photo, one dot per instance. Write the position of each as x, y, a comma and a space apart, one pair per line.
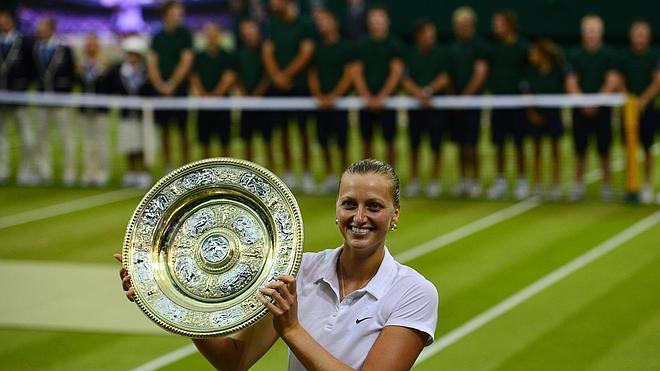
155, 43
351, 51
417, 308
197, 62
483, 51
398, 49
444, 60
571, 61
307, 30
188, 41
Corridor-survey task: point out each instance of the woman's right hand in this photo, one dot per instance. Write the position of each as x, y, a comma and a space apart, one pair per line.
125, 280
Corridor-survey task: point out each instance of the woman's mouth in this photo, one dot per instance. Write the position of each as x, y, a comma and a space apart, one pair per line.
360, 231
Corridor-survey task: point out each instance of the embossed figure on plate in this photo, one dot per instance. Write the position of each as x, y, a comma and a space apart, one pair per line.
215, 249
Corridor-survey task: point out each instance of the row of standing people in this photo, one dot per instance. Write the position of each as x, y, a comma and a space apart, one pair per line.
290, 63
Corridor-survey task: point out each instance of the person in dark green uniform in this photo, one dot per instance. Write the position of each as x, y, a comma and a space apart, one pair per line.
592, 69
641, 69
329, 78
253, 82
508, 62
469, 69
169, 62
213, 75
545, 75
426, 73
378, 71
287, 53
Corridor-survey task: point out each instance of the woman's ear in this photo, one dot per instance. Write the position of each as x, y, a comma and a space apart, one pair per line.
395, 216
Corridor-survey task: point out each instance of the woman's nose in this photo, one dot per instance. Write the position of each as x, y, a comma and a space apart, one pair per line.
360, 215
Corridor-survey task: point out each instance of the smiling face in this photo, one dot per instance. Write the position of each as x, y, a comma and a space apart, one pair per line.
365, 211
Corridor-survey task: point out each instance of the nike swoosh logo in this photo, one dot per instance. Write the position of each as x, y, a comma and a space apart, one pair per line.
362, 319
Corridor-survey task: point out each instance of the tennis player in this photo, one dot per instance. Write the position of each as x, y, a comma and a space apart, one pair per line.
352, 307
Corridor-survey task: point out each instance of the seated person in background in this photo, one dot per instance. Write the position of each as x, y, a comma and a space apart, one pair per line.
641, 70
545, 75
592, 69
253, 82
329, 79
129, 78
213, 75
378, 71
95, 121
426, 74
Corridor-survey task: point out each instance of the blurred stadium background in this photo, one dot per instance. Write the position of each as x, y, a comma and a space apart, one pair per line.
524, 285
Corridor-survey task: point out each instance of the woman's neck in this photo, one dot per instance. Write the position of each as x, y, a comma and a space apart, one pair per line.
359, 267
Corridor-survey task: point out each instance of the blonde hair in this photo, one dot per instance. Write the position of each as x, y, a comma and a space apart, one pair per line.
592, 17
464, 12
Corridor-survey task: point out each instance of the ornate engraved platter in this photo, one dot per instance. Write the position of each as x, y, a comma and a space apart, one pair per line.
204, 239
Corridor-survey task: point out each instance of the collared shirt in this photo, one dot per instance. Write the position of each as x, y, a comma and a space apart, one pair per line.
8, 38
396, 296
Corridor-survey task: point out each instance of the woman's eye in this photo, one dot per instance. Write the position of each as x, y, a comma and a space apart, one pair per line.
374, 206
348, 204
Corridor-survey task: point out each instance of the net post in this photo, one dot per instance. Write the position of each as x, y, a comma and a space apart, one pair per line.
631, 126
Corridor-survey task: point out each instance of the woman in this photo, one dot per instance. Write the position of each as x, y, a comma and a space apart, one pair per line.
359, 308
545, 76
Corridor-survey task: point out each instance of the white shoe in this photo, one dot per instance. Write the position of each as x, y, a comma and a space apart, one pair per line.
69, 181
290, 180
413, 188
554, 194
143, 180
474, 188
538, 191
577, 192
607, 193
646, 195
499, 189
460, 189
129, 179
330, 185
27, 179
308, 184
522, 189
433, 189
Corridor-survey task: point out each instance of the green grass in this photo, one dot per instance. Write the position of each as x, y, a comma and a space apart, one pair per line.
601, 317
605, 316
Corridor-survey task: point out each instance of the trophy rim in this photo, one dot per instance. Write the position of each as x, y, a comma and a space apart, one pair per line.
272, 179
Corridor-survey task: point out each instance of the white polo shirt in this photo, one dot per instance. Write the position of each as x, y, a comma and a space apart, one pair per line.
396, 296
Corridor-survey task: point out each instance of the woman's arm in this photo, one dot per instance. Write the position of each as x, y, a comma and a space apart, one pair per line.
478, 78
225, 83
396, 348
241, 351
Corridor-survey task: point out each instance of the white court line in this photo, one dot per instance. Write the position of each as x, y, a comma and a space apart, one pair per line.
168, 358
67, 207
540, 285
466, 230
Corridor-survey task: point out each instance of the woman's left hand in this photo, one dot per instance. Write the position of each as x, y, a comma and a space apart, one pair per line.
285, 305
